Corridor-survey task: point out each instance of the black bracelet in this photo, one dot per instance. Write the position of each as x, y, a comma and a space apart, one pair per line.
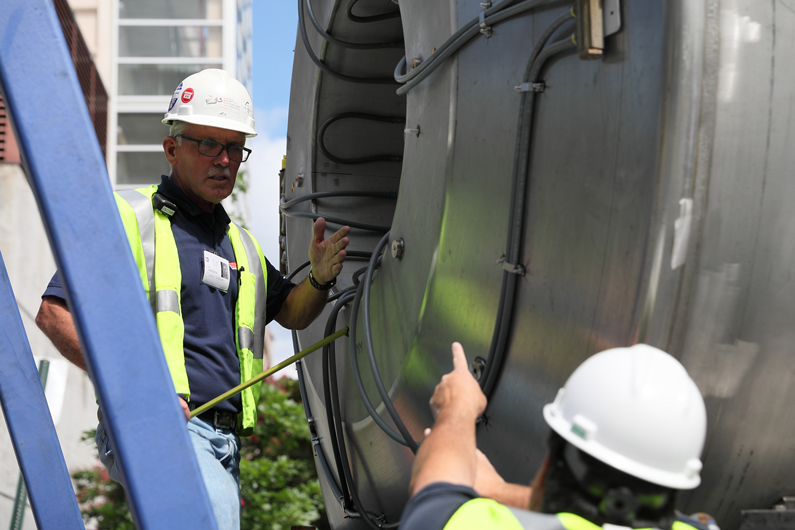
319, 287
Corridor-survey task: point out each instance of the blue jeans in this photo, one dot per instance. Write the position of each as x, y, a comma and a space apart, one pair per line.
218, 454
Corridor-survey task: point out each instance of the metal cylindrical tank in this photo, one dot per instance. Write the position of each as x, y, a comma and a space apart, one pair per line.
656, 208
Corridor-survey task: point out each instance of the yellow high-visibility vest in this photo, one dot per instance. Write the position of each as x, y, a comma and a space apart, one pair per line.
155, 252
487, 514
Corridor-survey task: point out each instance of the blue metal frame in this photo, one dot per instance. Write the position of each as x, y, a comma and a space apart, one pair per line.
114, 321
28, 418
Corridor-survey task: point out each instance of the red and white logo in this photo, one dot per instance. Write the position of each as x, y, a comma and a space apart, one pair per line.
187, 95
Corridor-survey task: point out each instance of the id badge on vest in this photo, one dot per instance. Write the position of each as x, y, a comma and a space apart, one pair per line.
216, 271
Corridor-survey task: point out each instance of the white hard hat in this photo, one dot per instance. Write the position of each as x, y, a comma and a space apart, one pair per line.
637, 410
214, 98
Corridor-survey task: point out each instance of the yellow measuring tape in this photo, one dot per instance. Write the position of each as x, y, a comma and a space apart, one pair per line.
287, 362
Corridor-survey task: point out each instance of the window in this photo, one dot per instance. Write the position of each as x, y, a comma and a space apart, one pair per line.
155, 79
136, 168
173, 9
170, 41
142, 128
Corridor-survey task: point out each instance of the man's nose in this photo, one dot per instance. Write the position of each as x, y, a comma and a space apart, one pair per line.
222, 159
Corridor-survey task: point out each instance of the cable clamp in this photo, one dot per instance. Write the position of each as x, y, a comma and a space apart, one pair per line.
531, 87
485, 29
511, 268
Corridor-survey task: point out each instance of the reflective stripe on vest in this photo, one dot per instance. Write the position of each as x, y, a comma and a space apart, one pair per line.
481, 513
155, 253
145, 224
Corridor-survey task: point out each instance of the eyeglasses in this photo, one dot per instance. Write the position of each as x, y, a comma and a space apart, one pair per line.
212, 148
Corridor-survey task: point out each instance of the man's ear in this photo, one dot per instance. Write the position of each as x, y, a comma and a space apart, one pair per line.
170, 149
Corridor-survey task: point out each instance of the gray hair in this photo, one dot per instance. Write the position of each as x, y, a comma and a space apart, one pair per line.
177, 128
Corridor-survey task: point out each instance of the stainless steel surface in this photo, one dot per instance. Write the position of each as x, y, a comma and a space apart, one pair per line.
684, 122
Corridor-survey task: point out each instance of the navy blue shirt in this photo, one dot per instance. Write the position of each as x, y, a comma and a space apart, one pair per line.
208, 313
434, 505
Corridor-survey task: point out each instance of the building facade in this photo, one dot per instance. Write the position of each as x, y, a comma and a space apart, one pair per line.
156, 44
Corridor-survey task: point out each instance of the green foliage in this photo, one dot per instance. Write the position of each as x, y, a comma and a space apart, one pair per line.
235, 199
102, 500
278, 485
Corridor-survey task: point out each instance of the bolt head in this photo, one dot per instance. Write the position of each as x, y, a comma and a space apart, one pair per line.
398, 248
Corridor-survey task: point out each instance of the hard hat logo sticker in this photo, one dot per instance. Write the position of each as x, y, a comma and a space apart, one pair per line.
222, 102
187, 95
173, 102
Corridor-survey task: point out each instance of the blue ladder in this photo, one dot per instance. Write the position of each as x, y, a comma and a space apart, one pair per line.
67, 173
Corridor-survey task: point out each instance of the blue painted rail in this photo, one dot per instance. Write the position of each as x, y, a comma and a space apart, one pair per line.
116, 328
28, 419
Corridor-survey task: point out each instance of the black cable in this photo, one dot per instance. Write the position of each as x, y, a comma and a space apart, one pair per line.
337, 221
336, 436
349, 254
513, 252
365, 286
333, 405
451, 40
470, 30
339, 295
320, 64
357, 374
283, 203
360, 116
310, 422
322, 456
346, 44
361, 270
354, 361
372, 18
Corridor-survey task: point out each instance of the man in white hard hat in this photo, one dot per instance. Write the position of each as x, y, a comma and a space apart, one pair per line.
212, 291
627, 430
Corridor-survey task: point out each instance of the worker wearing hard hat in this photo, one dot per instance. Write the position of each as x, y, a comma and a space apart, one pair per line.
211, 289
628, 428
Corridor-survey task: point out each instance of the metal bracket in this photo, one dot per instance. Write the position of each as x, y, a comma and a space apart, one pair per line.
485, 29
781, 516
511, 268
531, 87
596, 20
611, 14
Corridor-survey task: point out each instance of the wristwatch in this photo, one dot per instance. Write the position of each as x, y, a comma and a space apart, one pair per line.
319, 287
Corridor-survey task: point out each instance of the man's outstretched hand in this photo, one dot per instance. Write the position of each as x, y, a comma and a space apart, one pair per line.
448, 453
458, 393
327, 255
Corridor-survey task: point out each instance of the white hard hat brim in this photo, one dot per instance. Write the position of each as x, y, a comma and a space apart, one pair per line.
675, 480
212, 121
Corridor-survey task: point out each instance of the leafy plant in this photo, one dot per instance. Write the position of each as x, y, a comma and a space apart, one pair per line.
278, 485
235, 204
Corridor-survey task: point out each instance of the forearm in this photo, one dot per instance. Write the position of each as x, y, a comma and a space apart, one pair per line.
448, 454
514, 495
302, 306
55, 320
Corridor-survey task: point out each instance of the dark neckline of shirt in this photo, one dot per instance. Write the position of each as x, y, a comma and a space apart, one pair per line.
215, 223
